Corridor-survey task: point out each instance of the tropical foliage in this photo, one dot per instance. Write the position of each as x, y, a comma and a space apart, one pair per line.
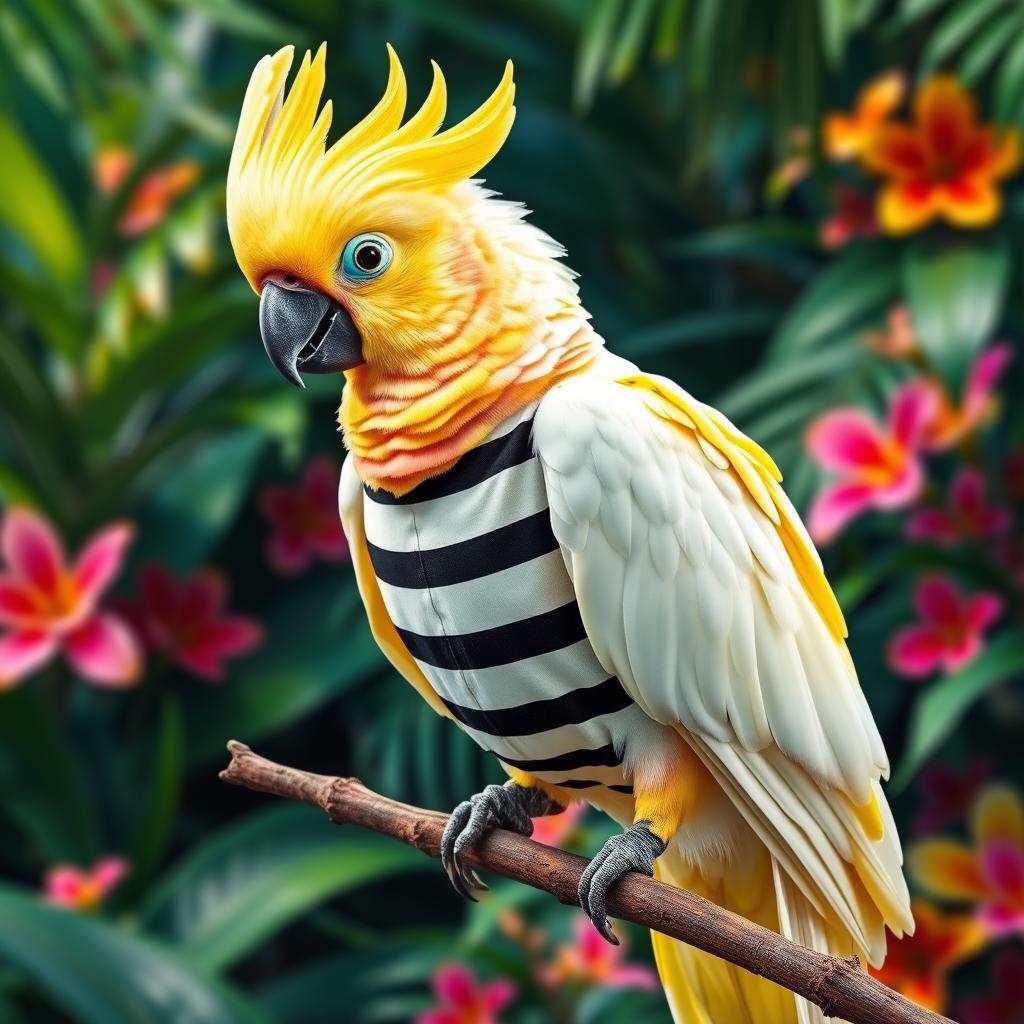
808, 213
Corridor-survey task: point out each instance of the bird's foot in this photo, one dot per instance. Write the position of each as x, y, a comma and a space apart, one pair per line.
634, 850
509, 806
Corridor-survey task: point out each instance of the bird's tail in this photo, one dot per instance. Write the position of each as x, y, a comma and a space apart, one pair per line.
702, 989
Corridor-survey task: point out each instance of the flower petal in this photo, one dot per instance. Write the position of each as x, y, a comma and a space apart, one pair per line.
455, 985
1002, 864
498, 994
945, 113
105, 651
19, 606
998, 815
287, 552
932, 524
846, 441
983, 378
916, 651
835, 507
969, 202
215, 641
902, 489
911, 411
983, 609
109, 872
896, 151
159, 593
32, 549
203, 595
101, 560
947, 868
22, 653
938, 602
906, 206
961, 653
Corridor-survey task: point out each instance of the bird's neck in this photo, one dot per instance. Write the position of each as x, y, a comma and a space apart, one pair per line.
529, 332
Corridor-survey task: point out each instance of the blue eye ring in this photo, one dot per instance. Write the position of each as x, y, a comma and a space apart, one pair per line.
365, 257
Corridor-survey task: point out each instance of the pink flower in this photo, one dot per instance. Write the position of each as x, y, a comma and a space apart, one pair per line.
853, 217
304, 519
953, 423
590, 960
947, 794
83, 889
185, 619
967, 515
1003, 1003
463, 1000
47, 606
988, 871
554, 829
951, 631
877, 468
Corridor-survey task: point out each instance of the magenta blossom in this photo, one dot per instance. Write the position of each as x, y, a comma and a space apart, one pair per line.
186, 620
304, 520
951, 632
463, 1000
966, 516
947, 793
47, 606
78, 889
877, 467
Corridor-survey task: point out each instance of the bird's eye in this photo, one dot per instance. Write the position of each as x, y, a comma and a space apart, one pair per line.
365, 257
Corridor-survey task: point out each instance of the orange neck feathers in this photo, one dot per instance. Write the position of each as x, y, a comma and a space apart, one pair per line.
516, 329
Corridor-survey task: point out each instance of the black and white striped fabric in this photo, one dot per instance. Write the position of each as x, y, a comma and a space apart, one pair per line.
474, 580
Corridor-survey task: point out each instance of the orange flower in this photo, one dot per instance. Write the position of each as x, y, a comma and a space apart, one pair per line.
944, 165
917, 965
155, 194
955, 421
897, 339
990, 872
847, 135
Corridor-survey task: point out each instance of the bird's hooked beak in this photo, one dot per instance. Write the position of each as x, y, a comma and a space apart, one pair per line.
305, 331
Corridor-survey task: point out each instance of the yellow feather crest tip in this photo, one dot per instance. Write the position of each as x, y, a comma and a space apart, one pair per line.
283, 178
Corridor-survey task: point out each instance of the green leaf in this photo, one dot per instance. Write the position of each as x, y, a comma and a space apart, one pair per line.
631, 38
42, 788
318, 646
160, 797
956, 292
851, 292
196, 502
937, 711
696, 329
985, 48
250, 880
1009, 104
595, 45
99, 974
963, 22
32, 206
32, 59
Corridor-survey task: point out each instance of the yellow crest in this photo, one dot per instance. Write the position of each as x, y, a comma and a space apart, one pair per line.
290, 198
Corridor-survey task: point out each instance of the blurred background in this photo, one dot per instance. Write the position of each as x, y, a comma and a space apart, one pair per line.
806, 212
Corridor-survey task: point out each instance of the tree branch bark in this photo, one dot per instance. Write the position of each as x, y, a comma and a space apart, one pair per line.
840, 987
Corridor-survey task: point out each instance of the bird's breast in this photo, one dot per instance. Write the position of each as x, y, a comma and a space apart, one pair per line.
475, 582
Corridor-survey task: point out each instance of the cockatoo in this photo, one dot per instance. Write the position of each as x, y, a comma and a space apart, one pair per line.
595, 575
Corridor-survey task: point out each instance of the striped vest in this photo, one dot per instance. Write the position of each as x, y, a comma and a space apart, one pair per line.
474, 581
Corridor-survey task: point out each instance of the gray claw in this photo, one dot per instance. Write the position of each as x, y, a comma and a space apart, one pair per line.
635, 850
510, 806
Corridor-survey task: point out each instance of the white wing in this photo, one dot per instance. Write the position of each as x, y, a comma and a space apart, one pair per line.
700, 589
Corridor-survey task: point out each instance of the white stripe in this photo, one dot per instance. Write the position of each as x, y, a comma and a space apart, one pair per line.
612, 728
505, 498
522, 682
530, 588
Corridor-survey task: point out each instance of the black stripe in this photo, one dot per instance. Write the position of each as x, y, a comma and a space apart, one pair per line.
622, 789
570, 708
500, 645
602, 757
491, 552
478, 464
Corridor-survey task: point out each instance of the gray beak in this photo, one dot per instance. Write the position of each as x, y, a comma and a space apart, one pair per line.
304, 331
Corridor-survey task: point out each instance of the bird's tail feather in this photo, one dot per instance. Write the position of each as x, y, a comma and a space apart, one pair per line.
702, 989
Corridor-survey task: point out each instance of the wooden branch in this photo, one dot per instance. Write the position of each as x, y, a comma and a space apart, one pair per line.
840, 987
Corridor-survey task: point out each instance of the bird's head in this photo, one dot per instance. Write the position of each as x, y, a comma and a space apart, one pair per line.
361, 251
